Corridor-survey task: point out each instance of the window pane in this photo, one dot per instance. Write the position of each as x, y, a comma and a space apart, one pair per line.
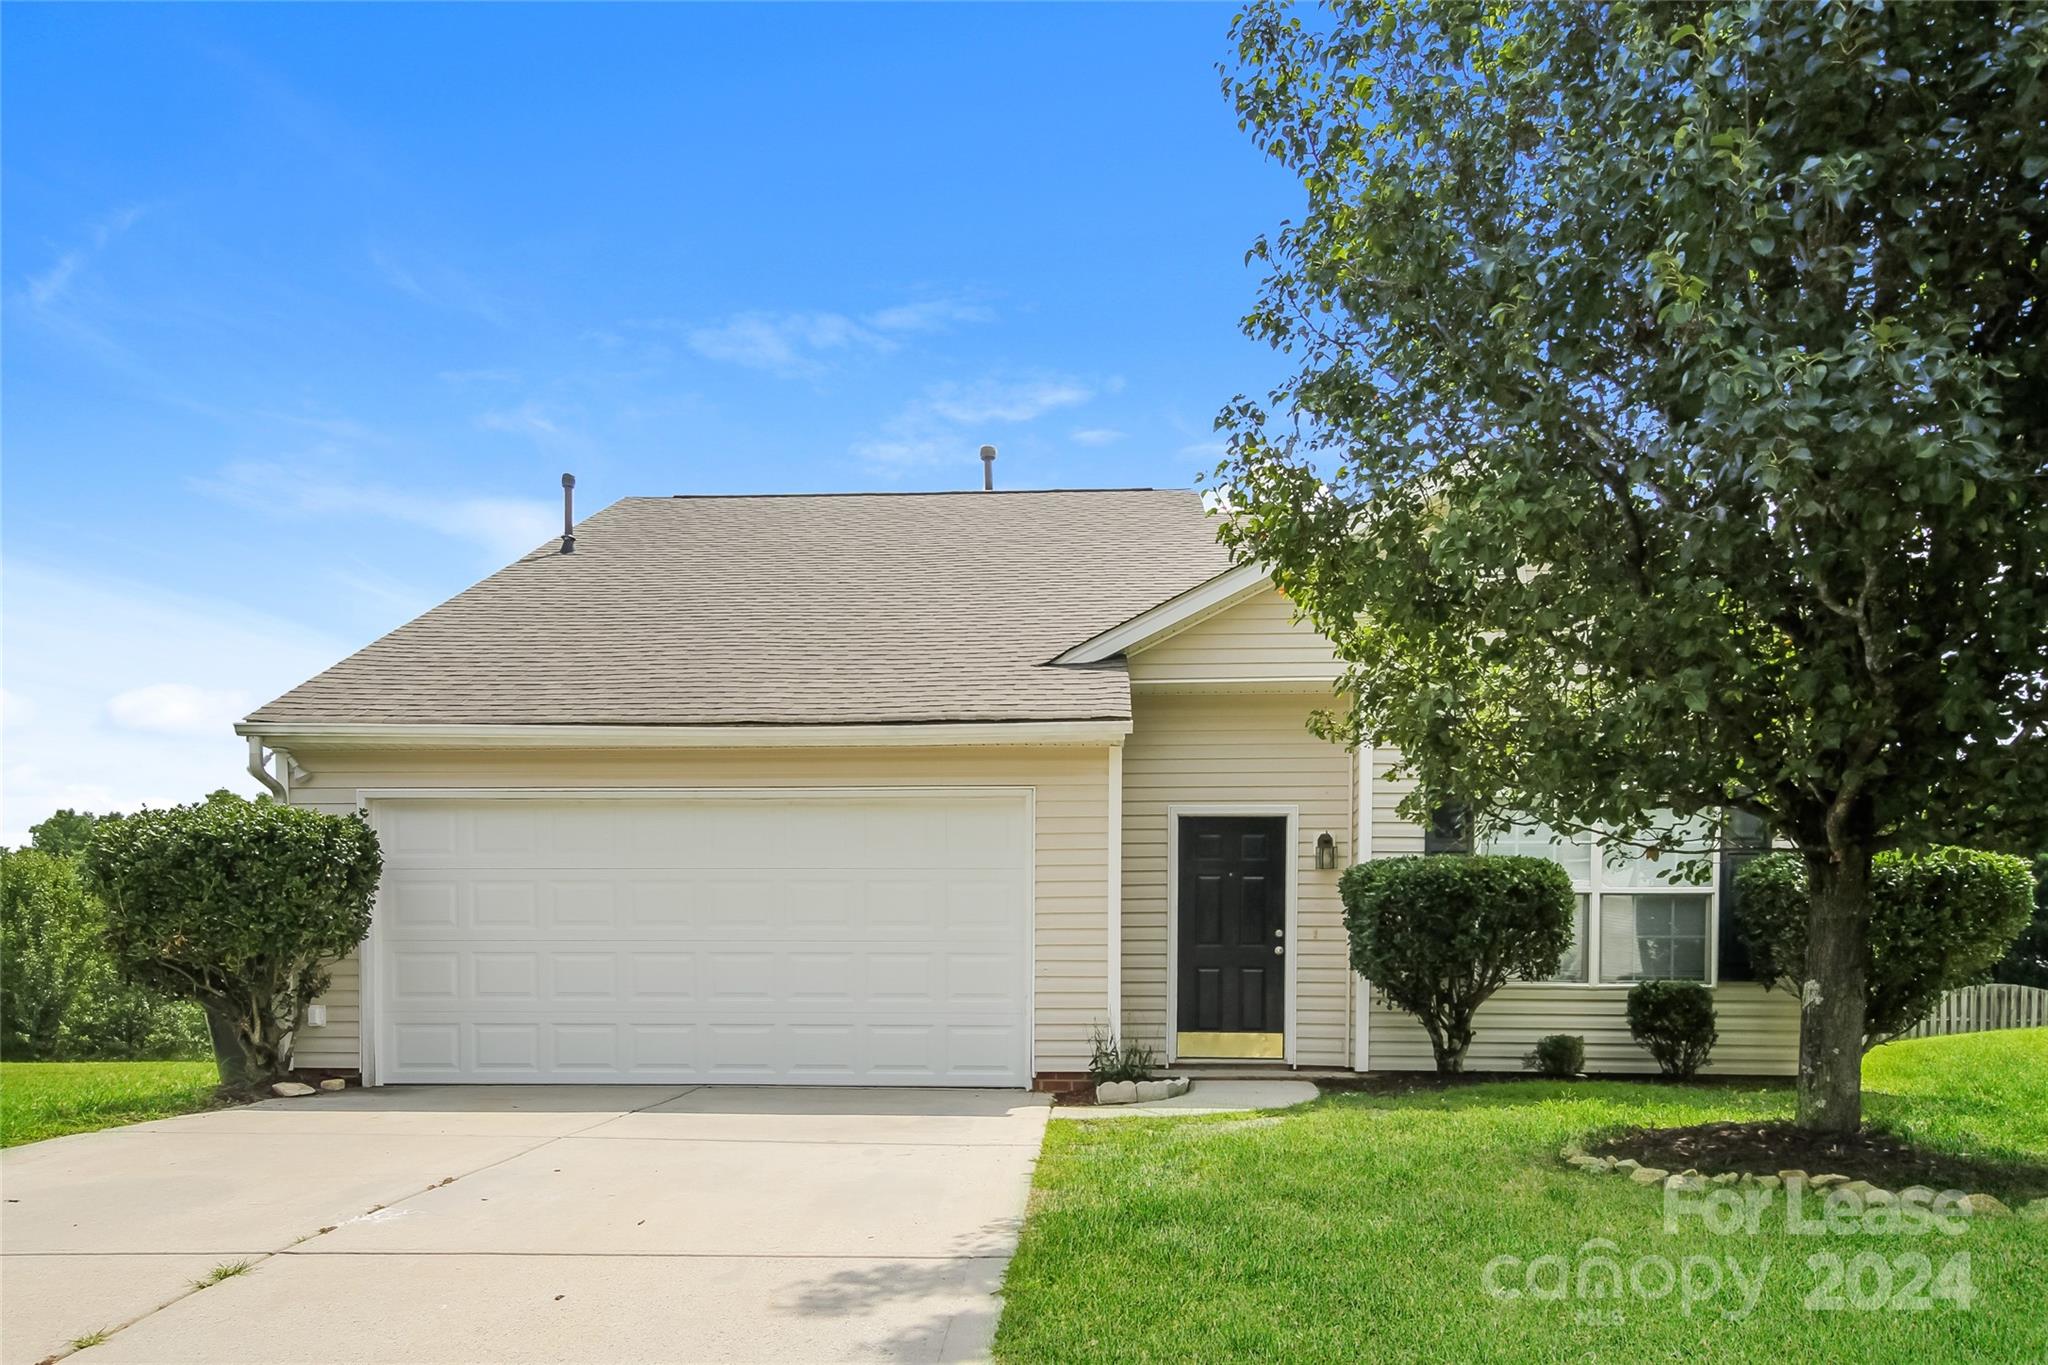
1575, 855
1626, 865
1648, 936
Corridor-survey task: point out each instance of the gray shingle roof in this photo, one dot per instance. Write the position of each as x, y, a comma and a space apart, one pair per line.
837, 609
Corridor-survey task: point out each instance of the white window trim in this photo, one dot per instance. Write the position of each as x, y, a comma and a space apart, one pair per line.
1596, 886
1293, 866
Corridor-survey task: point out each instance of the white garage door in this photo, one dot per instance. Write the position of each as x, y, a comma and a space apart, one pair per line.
877, 940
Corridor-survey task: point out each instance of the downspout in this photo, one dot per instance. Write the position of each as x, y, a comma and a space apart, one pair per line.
259, 768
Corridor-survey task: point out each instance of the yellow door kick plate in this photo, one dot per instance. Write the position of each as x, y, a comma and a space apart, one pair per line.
1192, 1046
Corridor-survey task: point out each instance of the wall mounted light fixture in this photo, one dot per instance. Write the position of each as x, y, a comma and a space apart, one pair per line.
1326, 851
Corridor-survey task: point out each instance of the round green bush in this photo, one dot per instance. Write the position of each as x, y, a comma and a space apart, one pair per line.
1559, 1056
239, 905
1674, 1020
1438, 935
1938, 920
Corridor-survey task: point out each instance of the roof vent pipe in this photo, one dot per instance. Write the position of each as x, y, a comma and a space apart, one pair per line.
988, 469
568, 514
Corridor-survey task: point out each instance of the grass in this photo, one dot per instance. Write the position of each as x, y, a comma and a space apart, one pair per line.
226, 1270
49, 1099
1360, 1227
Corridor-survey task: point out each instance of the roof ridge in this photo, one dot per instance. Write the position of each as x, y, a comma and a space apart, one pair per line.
892, 493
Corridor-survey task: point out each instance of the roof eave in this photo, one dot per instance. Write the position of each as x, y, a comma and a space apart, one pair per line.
925, 734
1175, 614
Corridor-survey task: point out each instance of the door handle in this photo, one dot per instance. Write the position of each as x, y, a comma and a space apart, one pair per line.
1279, 950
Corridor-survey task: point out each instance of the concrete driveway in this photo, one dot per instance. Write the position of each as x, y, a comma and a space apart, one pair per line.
526, 1223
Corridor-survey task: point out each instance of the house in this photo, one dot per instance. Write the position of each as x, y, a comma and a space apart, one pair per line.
890, 789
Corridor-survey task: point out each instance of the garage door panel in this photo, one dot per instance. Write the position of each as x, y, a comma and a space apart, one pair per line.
816, 940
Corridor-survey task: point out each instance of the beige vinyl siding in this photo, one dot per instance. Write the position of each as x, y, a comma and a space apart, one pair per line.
1070, 979
1205, 749
1256, 640
1759, 1030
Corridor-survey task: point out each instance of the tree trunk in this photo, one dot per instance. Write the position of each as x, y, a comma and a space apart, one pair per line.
238, 1070
1831, 999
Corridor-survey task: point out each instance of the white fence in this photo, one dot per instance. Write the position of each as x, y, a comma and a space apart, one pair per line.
1976, 1009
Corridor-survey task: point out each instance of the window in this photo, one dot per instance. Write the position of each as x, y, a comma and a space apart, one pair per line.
1632, 921
1643, 938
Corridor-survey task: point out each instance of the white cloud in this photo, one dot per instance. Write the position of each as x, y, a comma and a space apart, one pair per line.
51, 286
505, 527
1097, 436
928, 315
995, 400
179, 709
804, 343
948, 421
74, 645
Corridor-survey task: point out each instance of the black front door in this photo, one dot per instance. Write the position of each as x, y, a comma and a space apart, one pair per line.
1233, 925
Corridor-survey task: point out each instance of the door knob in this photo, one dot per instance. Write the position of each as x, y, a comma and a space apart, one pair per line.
1279, 950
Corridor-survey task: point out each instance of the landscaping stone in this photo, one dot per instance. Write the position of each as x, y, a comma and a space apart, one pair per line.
1981, 1205
334, 1083
1692, 1183
1628, 1165
1153, 1090
1768, 1182
1572, 1151
1919, 1194
1821, 1182
1790, 1176
1869, 1195
1726, 1178
291, 1089
1177, 1086
1116, 1092
1648, 1175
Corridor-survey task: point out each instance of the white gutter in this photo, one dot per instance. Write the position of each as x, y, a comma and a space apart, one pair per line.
1082, 732
259, 768
1114, 949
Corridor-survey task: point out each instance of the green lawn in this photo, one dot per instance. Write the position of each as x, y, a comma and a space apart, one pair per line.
1359, 1227
49, 1099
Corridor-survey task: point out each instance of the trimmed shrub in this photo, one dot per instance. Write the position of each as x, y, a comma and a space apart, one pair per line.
1938, 920
1438, 935
1560, 1056
1114, 1061
239, 905
1674, 1020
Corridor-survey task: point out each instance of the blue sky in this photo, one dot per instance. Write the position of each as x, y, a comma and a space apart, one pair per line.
306, 308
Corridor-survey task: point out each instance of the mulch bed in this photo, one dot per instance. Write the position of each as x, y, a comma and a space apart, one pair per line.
1767, 1148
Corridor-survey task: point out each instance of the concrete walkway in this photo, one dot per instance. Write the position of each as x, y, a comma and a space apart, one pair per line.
526, 1223
1203, 1097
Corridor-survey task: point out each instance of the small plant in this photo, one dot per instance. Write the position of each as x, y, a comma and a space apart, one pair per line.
90, 1339
1113, 1061
1675, 1021
1558, 1055
226, 1270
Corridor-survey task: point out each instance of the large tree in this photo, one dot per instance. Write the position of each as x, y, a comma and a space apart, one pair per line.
1668, 428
